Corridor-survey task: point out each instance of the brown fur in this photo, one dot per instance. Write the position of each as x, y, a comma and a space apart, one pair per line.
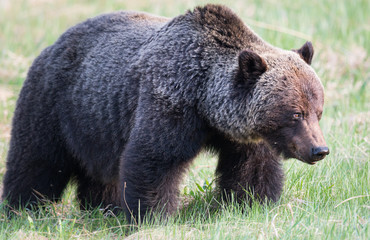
125, 102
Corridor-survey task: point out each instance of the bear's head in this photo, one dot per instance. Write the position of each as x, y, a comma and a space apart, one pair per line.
285, 100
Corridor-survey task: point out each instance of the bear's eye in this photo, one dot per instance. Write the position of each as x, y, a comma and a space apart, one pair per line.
297, 116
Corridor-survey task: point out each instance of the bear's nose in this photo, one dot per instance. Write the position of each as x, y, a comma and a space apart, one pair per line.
320, 152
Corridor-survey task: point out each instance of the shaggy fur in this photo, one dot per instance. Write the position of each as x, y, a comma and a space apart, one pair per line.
123, 102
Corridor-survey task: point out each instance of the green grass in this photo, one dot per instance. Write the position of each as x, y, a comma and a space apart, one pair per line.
330, 200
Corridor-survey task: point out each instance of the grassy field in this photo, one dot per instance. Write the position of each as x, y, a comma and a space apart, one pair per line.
330, 200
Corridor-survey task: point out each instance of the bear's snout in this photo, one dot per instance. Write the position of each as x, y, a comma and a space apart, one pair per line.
319, 153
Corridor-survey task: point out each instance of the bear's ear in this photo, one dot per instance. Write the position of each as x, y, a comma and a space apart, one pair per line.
251, 65
306, 52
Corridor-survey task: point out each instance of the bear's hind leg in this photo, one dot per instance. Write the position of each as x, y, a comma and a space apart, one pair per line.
32, 179
37, 164
252, 168
37, 167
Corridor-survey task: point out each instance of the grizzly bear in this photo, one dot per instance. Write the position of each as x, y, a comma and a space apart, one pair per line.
122, 103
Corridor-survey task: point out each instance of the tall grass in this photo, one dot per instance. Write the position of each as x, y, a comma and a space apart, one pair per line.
330, 200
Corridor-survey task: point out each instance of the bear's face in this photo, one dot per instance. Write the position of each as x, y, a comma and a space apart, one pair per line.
288, 100
296, 113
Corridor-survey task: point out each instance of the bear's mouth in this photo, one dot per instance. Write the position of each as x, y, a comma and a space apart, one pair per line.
316, 159
311, 161
298, 156
293, 152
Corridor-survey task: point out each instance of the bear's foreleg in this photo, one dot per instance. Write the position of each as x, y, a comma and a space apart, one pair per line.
250, 171
159, 150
